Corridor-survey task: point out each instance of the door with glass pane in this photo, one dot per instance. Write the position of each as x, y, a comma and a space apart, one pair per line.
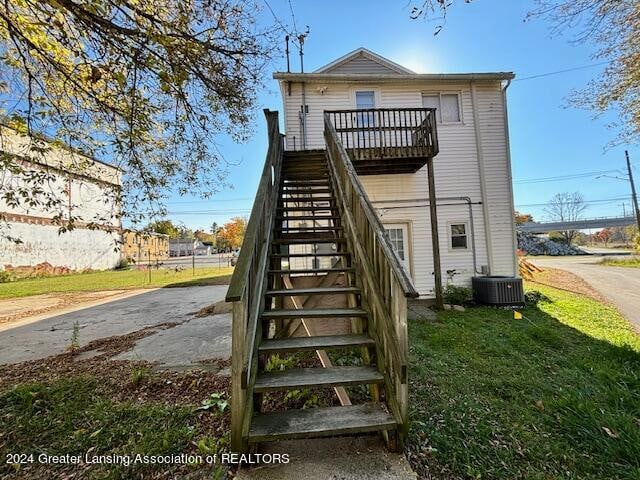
399, 236
365, 100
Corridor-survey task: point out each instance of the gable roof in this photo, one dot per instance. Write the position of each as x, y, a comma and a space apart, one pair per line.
363, 58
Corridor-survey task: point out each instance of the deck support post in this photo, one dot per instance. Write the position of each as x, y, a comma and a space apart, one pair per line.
435, 243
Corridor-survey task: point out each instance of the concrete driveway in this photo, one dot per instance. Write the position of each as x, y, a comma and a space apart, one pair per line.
193, 339
620, 285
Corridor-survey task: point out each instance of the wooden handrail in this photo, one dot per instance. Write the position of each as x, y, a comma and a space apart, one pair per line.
248, 285
385, 285
334, 146
386, 132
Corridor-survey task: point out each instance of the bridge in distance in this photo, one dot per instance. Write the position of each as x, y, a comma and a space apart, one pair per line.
603, 222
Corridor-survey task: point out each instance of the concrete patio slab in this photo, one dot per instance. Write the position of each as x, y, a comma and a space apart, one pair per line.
343, 458
195, 340
52, 335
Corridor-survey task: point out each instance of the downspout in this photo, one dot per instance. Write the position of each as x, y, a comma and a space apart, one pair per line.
514, 235
303, 117
482, 176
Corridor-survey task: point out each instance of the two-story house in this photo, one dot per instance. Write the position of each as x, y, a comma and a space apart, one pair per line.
472, 168
381, 175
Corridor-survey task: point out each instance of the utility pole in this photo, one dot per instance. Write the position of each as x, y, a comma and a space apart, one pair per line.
634, 196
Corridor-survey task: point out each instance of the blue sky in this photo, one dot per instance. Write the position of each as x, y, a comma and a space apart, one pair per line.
547, 138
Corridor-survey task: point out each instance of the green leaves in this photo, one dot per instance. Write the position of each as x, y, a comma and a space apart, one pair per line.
215, 401
146, 85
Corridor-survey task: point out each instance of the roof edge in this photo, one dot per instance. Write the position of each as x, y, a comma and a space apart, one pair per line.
367, 53
341, 77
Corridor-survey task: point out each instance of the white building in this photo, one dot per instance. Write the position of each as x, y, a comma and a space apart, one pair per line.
85, 189
472, 169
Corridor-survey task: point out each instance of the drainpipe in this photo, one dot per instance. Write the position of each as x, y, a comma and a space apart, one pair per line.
482, 176
514, 235
303, 117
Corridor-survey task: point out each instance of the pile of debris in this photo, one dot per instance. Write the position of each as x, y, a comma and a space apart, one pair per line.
533, 245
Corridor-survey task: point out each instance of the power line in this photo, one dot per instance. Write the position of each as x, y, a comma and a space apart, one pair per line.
185, 202
570, 176
293, 17
547, 74
603, 200
210, 212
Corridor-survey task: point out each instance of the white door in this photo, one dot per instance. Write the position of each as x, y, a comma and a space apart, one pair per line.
399, 236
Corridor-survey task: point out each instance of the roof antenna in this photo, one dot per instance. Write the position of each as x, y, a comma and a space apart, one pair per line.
301, 39
286, 49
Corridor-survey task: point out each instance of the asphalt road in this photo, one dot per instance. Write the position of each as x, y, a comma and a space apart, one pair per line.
194, 339
620, 285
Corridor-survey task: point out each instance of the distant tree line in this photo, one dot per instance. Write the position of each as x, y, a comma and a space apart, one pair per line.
226, 237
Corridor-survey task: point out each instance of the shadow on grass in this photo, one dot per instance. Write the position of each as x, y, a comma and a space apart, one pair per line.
493, 397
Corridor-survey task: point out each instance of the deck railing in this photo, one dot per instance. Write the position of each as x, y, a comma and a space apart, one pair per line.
248, 285
380, 133
384, 283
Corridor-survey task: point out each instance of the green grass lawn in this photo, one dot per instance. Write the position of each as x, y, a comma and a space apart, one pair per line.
554, 395
632, 262
115, 280
72, 416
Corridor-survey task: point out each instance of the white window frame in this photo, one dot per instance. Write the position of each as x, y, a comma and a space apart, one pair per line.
408, 241
440, 93
450, 236
365, 88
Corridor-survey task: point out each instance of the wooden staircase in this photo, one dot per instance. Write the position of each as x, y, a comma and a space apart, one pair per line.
317, 273
306, 192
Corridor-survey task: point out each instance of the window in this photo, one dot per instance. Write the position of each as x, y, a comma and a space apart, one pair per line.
458, 236
397, 240
365, 99
447, 106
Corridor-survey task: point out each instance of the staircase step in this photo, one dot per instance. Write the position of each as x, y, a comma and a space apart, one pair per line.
322, 182
329, 235
306, 199
311, 291
317, 166
300, 255
308, 271
320, 422
304, 191
303, 176
305, 209
314, 313
307, 229
306, 217
295, 344
304, 241
316, 377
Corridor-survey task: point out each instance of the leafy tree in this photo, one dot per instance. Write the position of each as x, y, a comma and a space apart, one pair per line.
165, 227
566, 207
521, 218
204, 237
232, 233
614, 26
148, 85
603, 236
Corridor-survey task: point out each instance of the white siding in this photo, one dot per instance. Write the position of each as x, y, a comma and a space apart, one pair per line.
362, 65
498, 178
456, 170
